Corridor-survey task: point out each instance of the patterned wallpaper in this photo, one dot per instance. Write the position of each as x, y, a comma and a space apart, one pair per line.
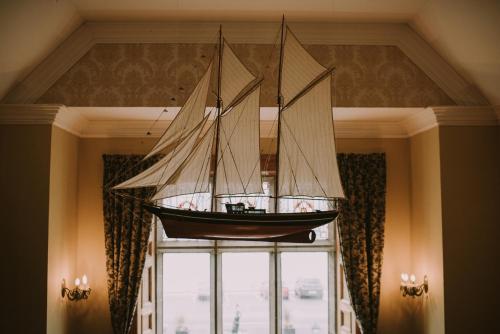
164, 74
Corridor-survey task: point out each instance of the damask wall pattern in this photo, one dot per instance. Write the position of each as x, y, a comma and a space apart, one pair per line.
164, 74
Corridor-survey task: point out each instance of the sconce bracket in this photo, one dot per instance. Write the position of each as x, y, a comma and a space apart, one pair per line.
414, 290
75, 294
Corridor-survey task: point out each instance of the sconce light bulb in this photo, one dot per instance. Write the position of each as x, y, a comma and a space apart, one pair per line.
404, 277
84, 279
77, 282
413, 279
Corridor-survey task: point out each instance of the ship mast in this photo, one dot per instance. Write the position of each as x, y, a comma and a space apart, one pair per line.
280, 106
213, 206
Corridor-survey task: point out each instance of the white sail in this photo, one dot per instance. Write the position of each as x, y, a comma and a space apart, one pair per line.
238, 167
188, 117
193, 175
234, 76
299, 68
307, 161
160, 172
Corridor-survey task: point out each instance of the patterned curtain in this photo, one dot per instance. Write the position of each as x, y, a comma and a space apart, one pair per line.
126, 227
361, 232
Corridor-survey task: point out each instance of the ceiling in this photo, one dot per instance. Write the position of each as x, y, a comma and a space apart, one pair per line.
464, 32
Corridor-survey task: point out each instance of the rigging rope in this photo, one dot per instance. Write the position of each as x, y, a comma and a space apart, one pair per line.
228, 145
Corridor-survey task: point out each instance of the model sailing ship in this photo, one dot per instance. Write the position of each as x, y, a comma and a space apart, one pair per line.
306, 157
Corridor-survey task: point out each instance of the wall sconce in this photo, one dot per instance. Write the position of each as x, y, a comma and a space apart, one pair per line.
409, 287
81, 290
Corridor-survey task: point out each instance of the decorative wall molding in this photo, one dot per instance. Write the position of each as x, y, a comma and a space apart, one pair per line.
349, 122
450, 116
419, 122
28, 114
465, 116
91, 33
43, 114
71, 121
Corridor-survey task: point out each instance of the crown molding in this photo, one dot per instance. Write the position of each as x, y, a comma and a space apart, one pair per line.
450, 116
71, 121
28, 114
43, 114
139, 129
91, 33
419, 122
109, 122
465, 116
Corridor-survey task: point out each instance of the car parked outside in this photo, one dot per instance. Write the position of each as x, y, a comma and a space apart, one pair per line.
309, 288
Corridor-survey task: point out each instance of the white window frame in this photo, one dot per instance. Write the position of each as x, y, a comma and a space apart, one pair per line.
217, 248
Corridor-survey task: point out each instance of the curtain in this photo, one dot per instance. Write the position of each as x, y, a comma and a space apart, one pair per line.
361, 232
126, 226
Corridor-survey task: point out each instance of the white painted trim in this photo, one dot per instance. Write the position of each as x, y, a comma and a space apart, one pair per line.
28, 114
419, 122
71, 121
91, 33
52, 68
349, 122
465, 116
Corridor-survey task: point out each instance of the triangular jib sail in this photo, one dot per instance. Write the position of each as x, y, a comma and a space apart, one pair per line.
234, 76
307, 156
299, 68
188, 117
193, 176
160, 172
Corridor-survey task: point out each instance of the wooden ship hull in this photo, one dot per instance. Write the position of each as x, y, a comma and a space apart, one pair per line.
274, 227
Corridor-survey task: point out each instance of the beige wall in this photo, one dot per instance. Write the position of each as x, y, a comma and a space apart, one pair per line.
24, 212
455, 196
38, 226
62, 227
427, 313
94, 317
470, 181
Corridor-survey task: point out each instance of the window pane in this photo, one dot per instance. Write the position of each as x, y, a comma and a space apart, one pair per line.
305, 292
245, 288
186, 293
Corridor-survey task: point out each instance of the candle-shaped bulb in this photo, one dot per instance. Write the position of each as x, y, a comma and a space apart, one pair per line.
77, 282
85, 281
413, 279
404, 277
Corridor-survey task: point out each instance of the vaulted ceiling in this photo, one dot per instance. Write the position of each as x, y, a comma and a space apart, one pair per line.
464, 32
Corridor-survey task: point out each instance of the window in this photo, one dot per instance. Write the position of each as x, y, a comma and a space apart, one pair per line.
246, 287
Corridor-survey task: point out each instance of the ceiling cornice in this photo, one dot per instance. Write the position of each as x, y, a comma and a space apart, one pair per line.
91, 33
20, 114
43, 114
351, 123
